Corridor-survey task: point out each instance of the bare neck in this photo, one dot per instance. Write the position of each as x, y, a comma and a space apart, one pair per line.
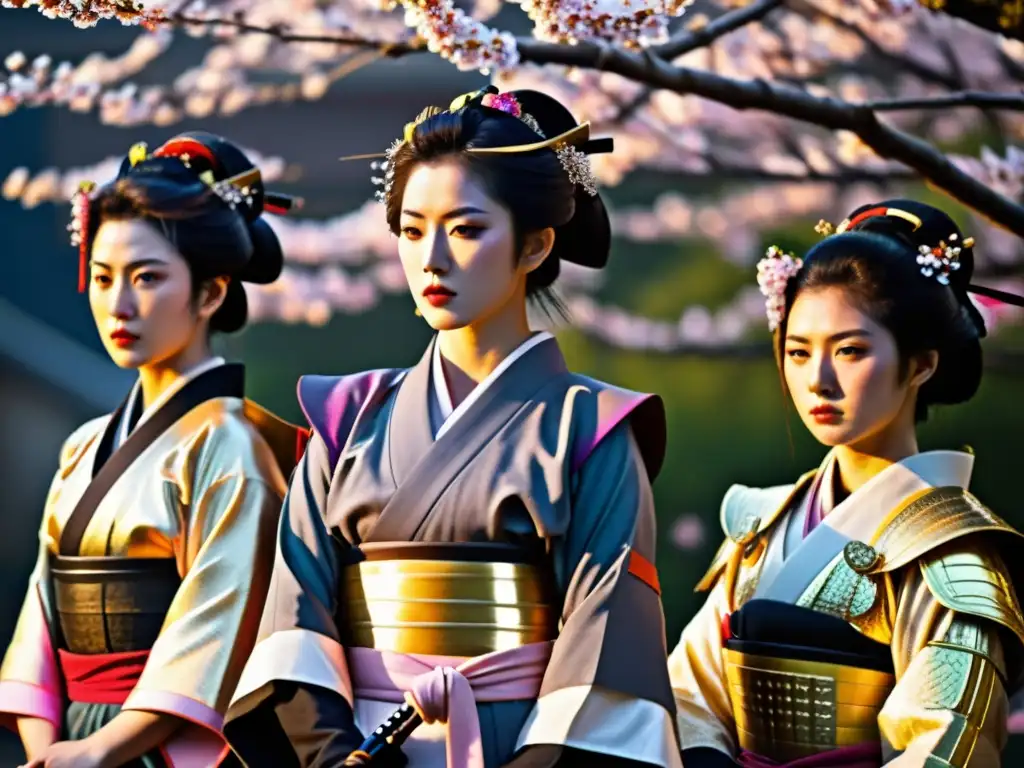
156, 379
858, 463
470, 354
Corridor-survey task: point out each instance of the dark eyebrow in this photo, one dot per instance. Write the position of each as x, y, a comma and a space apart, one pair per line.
834, 337
132, 265
464, 211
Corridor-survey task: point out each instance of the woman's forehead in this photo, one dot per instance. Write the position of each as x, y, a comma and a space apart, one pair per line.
124, 239
435, 188
826, 311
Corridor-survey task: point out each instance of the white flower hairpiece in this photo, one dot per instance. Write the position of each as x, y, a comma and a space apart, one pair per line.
773, 274
940, 261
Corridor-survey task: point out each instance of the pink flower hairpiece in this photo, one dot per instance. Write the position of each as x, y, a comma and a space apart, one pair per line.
506, 102
773, 274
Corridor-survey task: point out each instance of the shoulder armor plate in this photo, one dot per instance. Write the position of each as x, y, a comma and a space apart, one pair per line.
747, 513
929, 520
970, 577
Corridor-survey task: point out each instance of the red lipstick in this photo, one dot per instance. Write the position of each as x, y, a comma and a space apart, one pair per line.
826, 414
438, 295
123, 338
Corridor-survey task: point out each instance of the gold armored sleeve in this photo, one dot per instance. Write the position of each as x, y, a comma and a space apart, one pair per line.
948, 709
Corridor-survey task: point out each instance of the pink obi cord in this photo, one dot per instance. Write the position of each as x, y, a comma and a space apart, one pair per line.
445, 689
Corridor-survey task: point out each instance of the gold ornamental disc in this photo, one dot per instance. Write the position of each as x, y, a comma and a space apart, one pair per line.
861, 557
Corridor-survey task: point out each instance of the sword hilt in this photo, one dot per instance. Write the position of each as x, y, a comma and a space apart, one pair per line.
387, 739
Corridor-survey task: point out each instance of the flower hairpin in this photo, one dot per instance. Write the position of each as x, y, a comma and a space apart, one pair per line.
942, 260
773, 274
509, 104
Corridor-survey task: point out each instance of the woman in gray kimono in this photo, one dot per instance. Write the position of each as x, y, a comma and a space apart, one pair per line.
473, 536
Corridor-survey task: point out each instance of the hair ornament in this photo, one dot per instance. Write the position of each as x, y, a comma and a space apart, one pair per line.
572, 147
138, 153
577, 166
824, 228
870, 213
79, 226
773, 274
943, 259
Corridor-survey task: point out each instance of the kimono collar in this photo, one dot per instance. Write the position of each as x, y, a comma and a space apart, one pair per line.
442, 396
126, 421
892, 484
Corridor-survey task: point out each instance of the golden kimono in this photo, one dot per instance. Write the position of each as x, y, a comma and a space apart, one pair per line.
881, 630
155, 552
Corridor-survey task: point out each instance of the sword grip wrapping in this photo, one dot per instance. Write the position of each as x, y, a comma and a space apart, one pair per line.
382, 747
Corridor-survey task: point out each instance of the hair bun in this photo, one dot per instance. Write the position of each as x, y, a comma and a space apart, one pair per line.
267, 260
204, 152
935, 229
587, 237
551, 115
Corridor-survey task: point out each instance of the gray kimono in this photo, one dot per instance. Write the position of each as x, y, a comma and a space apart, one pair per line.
538, 457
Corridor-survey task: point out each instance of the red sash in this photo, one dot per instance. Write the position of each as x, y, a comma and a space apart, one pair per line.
102, 678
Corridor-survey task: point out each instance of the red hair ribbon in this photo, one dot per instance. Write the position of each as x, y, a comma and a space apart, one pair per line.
870, 213
186, 146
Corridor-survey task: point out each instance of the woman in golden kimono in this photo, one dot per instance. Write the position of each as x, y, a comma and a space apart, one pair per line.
157, 535
473, 536
864, 615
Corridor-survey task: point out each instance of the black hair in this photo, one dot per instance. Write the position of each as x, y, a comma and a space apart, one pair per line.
876, 261
533, 186
171, 190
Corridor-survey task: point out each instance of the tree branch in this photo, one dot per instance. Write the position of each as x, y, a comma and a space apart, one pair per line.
691, 40
830, 113
979, 99
392, 49
648, 69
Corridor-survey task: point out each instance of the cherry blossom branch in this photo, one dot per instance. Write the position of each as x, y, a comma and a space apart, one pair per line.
387, 48
826, 112
692, 39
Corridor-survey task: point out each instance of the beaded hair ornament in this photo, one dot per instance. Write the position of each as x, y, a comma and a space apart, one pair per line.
571, 147
936, 262
237, 190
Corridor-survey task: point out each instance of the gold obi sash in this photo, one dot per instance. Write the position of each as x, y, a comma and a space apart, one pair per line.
787, 709
446, 600
111, 604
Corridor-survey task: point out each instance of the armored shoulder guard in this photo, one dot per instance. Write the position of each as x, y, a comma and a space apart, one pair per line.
747, 513
969, 576
958, 544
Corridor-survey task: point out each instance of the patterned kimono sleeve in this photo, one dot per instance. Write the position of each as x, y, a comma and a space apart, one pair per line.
949, 706
703, 709
606, 689
30, 684
293, 705
210, 627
